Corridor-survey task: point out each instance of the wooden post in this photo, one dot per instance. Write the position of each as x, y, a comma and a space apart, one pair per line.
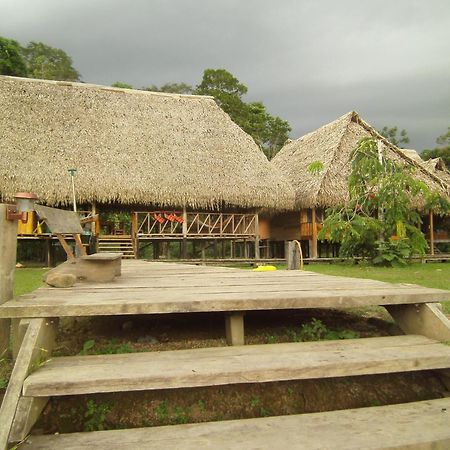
257, 253
8, 254
234, 327
94, 230
292, 257
431, 233
314, 252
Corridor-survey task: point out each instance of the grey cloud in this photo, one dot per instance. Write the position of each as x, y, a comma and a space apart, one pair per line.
308, 61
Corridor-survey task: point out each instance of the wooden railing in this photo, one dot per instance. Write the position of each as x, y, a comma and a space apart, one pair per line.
306, 229
193, 224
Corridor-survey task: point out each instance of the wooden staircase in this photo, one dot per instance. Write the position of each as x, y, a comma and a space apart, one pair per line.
117, 244
152, 287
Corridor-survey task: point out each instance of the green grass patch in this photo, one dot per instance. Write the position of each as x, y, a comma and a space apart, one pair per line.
432, 275
28, 280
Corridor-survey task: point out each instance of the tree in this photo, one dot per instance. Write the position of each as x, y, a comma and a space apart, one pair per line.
269, 132
391, 135
11, 58
172, 88
49, 63
120, 84
442, 152
379, 220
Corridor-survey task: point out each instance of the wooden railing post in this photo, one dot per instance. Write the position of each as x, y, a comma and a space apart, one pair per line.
431, 233
8, 254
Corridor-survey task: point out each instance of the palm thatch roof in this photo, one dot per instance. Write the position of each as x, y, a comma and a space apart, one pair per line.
332, 145
129, 147
434, 165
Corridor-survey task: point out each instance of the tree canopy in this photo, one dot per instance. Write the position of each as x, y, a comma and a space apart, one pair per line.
171, 88
121, 84
12, 61
269, 132
391, 135
49, 63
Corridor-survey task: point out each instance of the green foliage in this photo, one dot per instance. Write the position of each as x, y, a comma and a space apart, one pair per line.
120, 84
316, 330
112, 347
391, 135
269, 132
95, 416
12, 61
49, 63
379, 220
443, 151
162, 411
315, 167
172, 88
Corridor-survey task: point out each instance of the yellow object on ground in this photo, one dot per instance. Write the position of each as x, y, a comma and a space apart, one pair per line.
264, 268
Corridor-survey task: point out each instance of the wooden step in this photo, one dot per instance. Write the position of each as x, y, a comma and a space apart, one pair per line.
418, 425
234, 365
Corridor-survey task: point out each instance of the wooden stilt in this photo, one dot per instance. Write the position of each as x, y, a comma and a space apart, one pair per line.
8, 254
431, 233
314, 248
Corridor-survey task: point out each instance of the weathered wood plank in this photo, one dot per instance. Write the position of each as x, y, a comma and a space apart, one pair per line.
27, 413
420, 425
232, 365
33, 349
158, 301
426, 319
58, 220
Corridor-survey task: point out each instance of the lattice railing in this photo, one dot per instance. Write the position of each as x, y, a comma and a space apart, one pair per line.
192, 224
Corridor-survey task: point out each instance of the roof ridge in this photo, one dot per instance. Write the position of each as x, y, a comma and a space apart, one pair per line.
101, 87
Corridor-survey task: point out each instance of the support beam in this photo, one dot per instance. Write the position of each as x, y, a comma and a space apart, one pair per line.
27, 413
424, 318
431, 233
8, 254
36, 348
234, 328
314, 250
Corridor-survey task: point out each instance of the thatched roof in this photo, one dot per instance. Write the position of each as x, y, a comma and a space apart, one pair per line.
332, 144
129, 147
434, 165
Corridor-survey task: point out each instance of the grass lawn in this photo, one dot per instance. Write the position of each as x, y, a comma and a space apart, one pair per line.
28, 280
433, 275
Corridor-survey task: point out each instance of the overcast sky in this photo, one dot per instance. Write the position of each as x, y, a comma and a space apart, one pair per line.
308, 61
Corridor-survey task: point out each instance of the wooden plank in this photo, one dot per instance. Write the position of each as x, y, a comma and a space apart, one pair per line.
139, 301
426, 319
231, 365
27, 413
58, 220
79, 244
8, 250
418, 425
33, 349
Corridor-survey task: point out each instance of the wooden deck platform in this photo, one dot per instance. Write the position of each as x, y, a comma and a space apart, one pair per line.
162, 288
151, 288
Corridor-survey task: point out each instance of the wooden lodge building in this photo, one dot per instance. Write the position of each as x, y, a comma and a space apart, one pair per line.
159, 169
332, 145
167, 167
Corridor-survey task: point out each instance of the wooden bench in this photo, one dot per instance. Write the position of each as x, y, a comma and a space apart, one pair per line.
101, 267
